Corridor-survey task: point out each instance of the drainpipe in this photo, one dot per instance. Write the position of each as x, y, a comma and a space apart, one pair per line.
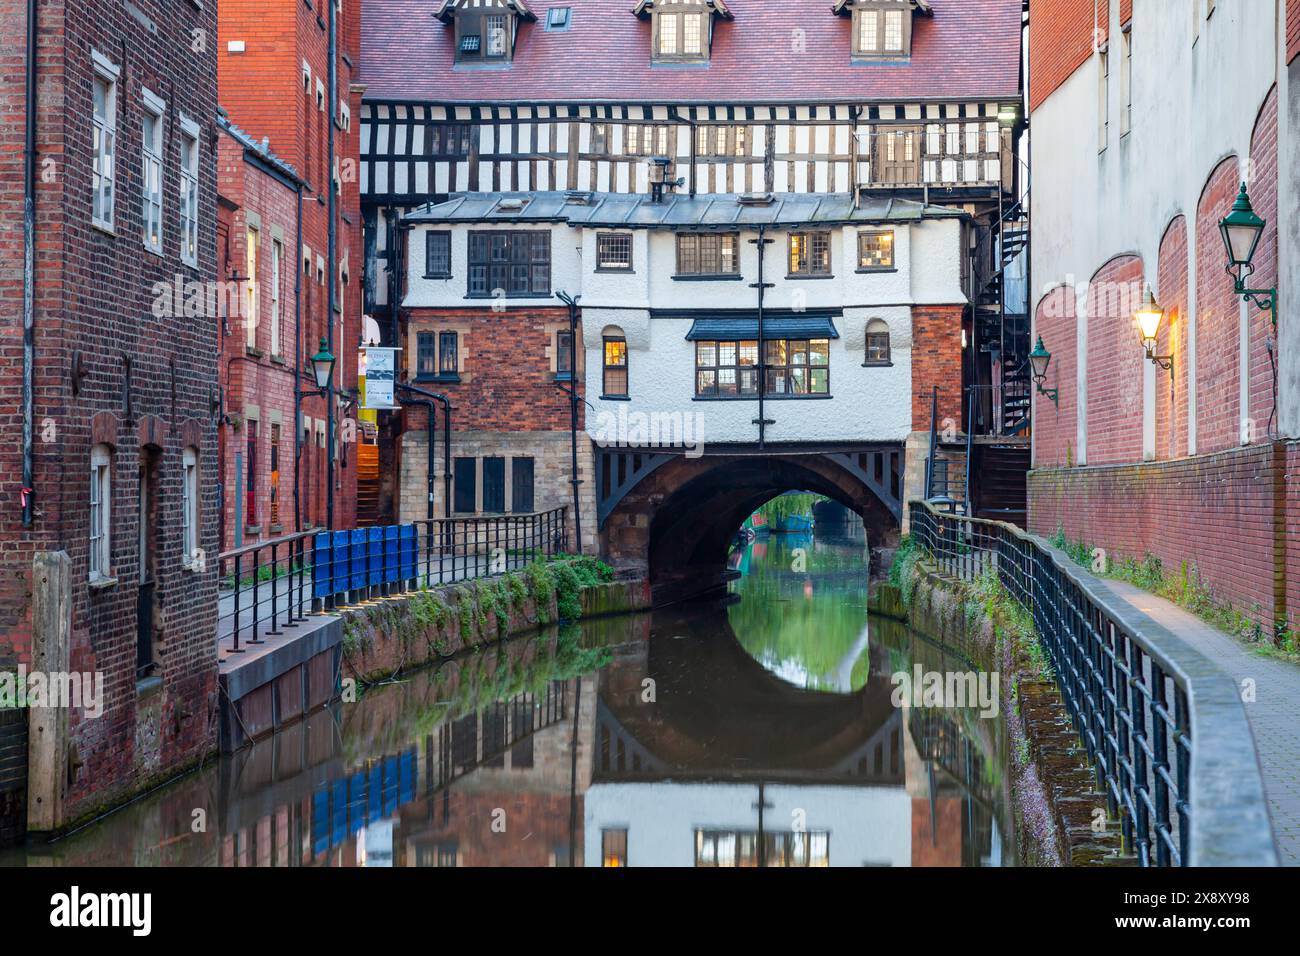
331, 206
29, 270
446, 439
762, 421
572, 303
297, 373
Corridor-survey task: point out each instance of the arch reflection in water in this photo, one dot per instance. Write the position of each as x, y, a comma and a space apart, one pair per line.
718, 735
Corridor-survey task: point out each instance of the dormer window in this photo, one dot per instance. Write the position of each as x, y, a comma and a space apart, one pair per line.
882, 28
486, 30
681, 31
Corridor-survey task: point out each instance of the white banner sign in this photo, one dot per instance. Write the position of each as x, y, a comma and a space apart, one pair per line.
381, 376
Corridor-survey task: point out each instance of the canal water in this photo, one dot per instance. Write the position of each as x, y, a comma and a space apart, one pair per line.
757, 730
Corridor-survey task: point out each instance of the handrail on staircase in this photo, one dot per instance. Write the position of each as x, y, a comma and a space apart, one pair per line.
934, 443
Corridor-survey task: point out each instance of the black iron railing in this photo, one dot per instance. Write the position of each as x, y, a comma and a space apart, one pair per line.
454, 549
265, 586
1164, 729
274, 585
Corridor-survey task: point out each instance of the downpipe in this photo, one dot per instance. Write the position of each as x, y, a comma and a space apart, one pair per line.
28, 492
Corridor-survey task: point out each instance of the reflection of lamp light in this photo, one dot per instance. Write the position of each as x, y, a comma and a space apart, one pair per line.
1241, 230
1039, 360
1148, 317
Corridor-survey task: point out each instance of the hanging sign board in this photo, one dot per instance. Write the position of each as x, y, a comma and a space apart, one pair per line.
381, 376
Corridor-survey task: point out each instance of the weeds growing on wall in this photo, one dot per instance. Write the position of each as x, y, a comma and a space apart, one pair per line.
1185, 589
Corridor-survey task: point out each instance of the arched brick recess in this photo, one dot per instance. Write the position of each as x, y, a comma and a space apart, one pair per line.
1056, 426
1218, 330
1263, 196
1115, 361
1171, 394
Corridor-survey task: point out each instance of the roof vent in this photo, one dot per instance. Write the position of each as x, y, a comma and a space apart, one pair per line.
755, 199
576, 197
511, 205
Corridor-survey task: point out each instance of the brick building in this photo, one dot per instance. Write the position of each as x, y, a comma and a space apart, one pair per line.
1202, 455
124, 387
274, 79
261, 346
867, 147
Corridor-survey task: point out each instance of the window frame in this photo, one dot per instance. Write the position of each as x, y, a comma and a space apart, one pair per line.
103, 179
154, 110
190, 508
519, 504
685, 238
252, 296
867, 234
99, 555
508, 263
476, 23
624, 367
277, 277
717, 367
879, 15
782, 371
602, 238
433, 338
562, 355
429, 237
678, 19
188, 192
457, 484
880, 330
804, 267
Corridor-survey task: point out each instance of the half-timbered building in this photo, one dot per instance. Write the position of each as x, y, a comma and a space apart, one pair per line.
694, 126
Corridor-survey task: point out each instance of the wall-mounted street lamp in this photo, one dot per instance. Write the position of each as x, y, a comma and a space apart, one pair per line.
1148, 317
322, 366
1008, 114
1039, 359
1241, 230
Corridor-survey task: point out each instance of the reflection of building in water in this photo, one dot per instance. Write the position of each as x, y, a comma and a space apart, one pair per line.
732, 766
505, 785
432, 803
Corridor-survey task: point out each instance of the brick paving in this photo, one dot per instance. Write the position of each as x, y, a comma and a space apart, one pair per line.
1274, 714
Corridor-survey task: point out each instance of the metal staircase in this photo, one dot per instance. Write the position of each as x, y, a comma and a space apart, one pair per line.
1002, 328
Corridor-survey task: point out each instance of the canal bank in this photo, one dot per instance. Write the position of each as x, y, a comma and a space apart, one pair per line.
378, 639
755, 730
1058, 813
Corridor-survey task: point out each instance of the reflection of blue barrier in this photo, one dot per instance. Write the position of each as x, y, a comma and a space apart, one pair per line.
342, 807
354, 560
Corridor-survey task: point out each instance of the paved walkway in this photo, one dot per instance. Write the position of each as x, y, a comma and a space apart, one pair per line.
1274, 714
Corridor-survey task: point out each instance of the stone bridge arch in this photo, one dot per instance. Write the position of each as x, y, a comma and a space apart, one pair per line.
675, 516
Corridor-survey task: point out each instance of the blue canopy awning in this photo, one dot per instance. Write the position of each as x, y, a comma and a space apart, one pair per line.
804, 325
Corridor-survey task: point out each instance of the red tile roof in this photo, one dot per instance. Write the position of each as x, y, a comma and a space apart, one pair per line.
969, 49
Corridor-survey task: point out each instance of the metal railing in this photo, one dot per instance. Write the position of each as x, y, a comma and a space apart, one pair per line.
1164, 728
271, 586
455, 549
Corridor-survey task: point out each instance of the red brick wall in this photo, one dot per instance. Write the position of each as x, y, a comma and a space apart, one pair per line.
936, 360
507, 384
1291, 530
97, 297
1292, 29
1056, 425
1060, 41
1215, 512
263, 92
264, 380
1171, 393
1115, 363
1218, 330
1263, 173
